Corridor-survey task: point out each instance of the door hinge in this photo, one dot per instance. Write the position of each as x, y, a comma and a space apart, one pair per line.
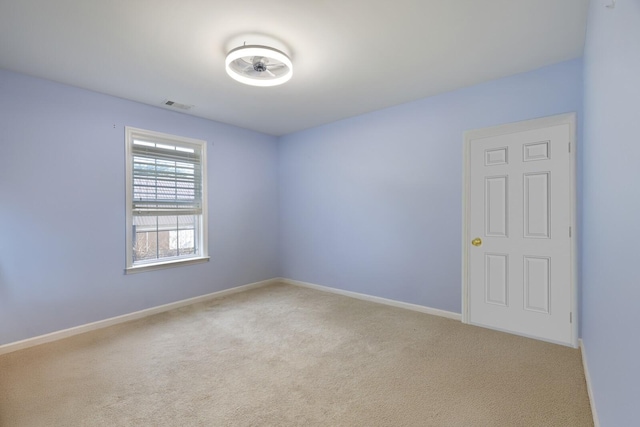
569, 147
569, 231
570, 317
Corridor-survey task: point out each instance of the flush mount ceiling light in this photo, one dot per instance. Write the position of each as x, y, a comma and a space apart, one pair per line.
259, 65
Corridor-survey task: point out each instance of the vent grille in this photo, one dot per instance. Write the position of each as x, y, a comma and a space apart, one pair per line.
177, 105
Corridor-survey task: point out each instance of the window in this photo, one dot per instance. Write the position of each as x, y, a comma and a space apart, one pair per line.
166, 200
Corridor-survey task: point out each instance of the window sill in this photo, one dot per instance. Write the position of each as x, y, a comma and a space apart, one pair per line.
165, 264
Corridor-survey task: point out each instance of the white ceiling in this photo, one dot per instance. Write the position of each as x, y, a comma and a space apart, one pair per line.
349, 56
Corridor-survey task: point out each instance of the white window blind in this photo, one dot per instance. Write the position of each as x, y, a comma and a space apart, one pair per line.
167, 179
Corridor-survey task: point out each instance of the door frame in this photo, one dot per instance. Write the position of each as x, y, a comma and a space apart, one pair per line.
560, 119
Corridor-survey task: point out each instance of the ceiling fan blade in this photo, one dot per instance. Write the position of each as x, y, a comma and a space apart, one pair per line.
270, 73
254, 74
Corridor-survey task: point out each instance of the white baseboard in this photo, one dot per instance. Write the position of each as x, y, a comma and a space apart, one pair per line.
592, 402
379, 300
58, 335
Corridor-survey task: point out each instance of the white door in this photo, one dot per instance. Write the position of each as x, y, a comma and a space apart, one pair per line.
519, 235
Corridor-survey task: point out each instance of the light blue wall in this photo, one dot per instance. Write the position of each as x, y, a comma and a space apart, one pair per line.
372, 204
611, 204
62, 214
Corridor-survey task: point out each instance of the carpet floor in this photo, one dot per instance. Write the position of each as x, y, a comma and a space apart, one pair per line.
288, 356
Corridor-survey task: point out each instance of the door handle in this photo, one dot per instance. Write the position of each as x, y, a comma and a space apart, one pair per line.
476, 242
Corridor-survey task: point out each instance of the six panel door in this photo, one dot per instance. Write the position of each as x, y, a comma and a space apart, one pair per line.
519, 196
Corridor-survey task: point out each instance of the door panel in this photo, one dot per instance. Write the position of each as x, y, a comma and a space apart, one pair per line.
497, 279
536, 205
496, 206
519, 190
537, 283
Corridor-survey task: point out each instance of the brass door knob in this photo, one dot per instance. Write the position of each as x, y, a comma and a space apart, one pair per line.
476, 242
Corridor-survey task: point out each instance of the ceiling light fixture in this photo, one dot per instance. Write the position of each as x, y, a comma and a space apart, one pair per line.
259, 65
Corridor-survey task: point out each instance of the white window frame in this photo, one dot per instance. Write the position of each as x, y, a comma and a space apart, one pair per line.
201, 239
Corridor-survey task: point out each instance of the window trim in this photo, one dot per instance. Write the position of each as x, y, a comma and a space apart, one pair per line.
166, 264
202, 238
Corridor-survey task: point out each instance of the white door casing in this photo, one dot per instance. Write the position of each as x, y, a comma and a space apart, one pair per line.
519, 199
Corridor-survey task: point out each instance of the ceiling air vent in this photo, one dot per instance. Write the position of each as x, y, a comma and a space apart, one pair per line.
177, 105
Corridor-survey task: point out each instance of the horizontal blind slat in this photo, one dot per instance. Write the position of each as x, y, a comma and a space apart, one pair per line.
165, 155
160, 212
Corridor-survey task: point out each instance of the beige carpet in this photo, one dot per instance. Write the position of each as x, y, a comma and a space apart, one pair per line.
288, 356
